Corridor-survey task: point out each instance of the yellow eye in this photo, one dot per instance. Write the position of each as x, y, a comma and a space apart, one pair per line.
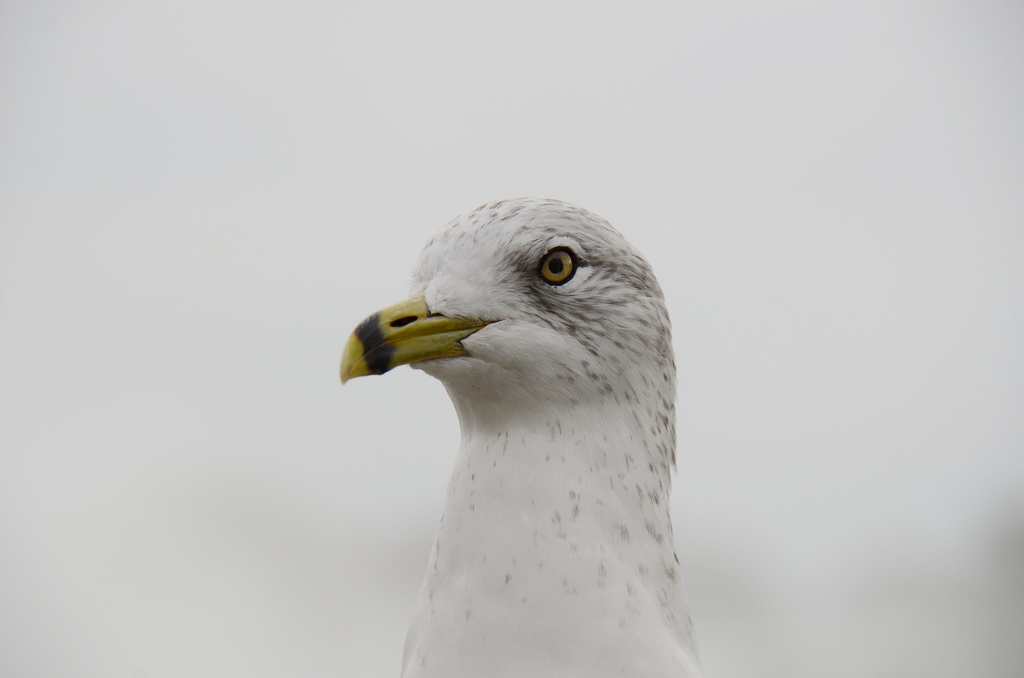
558, 266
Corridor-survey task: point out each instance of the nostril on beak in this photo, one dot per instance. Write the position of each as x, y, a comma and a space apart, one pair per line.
402, 322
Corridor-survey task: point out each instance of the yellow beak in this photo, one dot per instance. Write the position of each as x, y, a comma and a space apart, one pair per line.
404, 333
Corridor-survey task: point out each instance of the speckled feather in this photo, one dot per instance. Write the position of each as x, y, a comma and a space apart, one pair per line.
554, 556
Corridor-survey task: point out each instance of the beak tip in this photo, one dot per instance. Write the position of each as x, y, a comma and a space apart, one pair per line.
349, 372
353, 362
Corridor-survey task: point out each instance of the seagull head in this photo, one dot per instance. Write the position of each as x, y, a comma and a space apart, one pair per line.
526, 304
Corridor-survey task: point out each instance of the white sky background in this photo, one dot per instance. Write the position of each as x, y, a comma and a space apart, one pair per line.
199, 200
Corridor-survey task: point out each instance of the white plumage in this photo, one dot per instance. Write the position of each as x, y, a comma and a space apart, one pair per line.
554, 556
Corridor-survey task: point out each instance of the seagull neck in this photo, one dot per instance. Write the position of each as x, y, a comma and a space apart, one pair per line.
589, 481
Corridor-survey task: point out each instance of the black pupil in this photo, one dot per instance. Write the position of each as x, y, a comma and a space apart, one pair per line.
555, 265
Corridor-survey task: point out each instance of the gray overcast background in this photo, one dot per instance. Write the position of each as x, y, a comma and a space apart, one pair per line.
199, 200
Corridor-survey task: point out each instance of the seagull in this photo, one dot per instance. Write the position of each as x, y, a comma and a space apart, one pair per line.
554, 556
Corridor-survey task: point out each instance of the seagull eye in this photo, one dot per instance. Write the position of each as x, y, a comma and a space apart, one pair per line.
558, 266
